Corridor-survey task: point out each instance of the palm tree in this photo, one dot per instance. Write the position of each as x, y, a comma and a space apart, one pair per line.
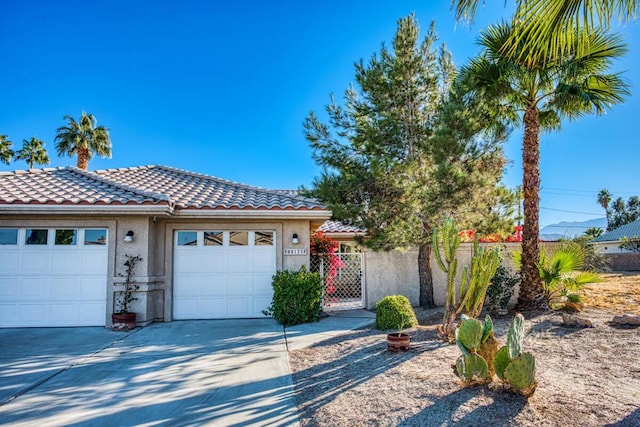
6, 153
604, 198
539, 96
33, 151
549, 28
84, 139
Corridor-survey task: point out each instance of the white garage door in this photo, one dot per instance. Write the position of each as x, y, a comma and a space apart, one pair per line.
222, 274
52, 277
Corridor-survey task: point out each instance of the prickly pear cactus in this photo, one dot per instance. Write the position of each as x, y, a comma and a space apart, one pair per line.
472, 368
488, 350
501, 361
469, 334
516, 369
520, 374
515, 336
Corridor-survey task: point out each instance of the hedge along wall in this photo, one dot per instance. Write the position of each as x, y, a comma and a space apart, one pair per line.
396, 272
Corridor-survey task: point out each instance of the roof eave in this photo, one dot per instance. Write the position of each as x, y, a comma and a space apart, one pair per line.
253, 213
85, 209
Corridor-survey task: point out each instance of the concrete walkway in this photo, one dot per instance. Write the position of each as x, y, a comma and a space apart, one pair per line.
183, 373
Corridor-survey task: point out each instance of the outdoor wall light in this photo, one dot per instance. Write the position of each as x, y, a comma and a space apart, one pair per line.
128, 237
294, 239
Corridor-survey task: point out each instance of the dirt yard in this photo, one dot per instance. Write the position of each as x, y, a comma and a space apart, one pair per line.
587, 377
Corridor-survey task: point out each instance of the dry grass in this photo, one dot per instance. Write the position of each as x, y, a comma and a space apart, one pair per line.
619, 293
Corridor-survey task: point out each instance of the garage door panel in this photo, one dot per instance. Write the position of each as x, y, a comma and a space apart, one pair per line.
65, 288
35, 262
64, 263
9, 288
33, 314
261, 303
92, 288
239, 262
188, 261
8, 314
190, 285
9, 262
214, 284
262, 284
92, 313
239, 306
34, 288
213, 308
64, 313
93, 262
240, 284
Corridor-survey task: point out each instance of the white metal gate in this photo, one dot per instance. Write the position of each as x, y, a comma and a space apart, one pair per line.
343, 278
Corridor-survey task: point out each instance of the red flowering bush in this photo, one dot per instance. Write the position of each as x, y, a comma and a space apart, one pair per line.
323, 248
469, 235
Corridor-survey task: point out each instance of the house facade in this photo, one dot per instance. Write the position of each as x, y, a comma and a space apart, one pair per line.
209, 247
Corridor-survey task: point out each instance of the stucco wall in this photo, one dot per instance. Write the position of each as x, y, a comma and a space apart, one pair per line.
396, 273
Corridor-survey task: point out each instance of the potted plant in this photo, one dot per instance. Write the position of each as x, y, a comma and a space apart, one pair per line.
399, 341
122, 319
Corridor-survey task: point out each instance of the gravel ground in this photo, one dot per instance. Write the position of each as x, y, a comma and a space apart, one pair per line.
586, 377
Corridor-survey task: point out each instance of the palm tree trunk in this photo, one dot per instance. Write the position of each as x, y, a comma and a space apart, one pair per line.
424, 274
83, 158
531, 296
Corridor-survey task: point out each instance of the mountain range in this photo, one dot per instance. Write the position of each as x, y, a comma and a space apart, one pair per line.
566, 229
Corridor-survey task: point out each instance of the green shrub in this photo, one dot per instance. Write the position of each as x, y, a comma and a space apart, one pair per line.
501, 289
297, 297
395, 312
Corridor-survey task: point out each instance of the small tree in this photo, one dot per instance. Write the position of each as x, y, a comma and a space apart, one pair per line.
406, 148
619, 213
6, 153
33, 151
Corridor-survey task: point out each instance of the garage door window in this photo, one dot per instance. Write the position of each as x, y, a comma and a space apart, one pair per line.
8, 236
36, 236
238, 238
213, 238
187, 238
66, 237
95, 237
263, 238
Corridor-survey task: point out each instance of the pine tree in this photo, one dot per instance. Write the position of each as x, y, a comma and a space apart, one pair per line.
407, 147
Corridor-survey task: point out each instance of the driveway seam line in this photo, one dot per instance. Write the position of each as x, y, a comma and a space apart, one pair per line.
66, 368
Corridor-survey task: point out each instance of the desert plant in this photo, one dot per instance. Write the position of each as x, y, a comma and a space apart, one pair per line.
478, 345
475, 278
594, 258
126, 296
562, 278
297, 297
516, 369
501, 289
395, 312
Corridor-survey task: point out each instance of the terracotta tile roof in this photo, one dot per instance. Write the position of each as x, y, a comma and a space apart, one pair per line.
69, 186
189, 190
338, 227
172, 187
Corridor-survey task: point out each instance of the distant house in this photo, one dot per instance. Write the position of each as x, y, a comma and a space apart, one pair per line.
609, 242
209, 247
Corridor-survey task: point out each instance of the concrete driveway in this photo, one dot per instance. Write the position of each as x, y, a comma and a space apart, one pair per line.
210, 372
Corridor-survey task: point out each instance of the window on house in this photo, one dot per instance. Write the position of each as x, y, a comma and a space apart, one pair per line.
95, 237
263, 238
213, 238
187, 238
238, 238
8, 236
36, 236
66, 237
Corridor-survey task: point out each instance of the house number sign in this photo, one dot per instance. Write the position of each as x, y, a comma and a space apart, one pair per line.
291, 251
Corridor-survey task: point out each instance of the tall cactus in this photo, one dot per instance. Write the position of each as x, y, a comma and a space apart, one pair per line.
475, 278
517, 369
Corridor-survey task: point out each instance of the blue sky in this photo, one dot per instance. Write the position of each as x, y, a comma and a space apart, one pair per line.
222, 88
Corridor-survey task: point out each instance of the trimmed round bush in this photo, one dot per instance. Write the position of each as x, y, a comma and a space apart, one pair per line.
391, 310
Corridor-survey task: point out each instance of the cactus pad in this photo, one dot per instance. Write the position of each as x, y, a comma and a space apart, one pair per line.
470, 367
501, 361
469, 334
521, 372
488, 350
515, 336
488, 328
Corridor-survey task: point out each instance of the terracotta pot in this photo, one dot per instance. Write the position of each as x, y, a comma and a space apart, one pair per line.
123, 321
398, 342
